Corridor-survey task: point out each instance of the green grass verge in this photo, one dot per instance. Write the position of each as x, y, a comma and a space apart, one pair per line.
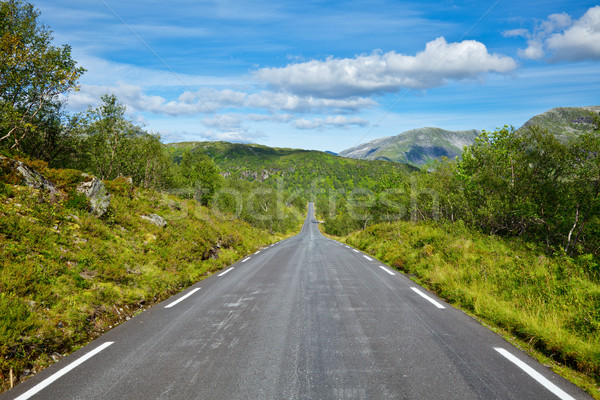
66, 277
549, 304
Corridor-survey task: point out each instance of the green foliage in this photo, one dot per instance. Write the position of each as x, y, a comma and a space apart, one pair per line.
77, 201
269, 187
66, 276
33, 74
109, 146
200, 173
527, 184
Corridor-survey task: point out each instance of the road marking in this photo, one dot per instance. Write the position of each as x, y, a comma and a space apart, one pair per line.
347, 247
386, 270
226, 271
356, 251
257, 252
429, 299
48, 381
182, 298
246, 259
367, 257
535, 375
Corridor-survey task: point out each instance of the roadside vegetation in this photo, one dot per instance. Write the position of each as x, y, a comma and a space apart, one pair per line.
550, 303
510, 231
67, 276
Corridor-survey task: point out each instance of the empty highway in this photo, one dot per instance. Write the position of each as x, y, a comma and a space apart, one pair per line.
306, 318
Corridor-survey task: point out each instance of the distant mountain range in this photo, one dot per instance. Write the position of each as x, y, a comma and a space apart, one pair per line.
415, 147
566, 121
420, 146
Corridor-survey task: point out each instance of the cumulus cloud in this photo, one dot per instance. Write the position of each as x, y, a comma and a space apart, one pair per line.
212, 101
560, 38
236, 136
366, 75
338, 121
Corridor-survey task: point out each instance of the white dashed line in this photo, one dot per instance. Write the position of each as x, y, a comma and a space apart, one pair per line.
48, 381
356, 251
182, 298
367, 257
386, 270
429, 299
246, 259
226, 271
535, 375
257, 252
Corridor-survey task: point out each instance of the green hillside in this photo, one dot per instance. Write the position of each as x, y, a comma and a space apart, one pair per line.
299, 170
67, 276
566, 121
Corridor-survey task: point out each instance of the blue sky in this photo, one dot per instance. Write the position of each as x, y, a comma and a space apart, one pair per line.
329, 75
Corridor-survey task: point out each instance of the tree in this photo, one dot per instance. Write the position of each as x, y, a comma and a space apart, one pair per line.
112, 146
201, 174
33, 74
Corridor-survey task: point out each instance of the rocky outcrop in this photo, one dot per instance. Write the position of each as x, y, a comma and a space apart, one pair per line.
30, 177
154, 219
98, 196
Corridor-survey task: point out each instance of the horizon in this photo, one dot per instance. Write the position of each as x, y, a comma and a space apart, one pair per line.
329, 75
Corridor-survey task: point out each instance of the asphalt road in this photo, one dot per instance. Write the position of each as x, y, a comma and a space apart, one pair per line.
307, 318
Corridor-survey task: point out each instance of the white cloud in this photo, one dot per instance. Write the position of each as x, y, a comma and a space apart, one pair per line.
338, 121
284, 101
581, 41
236, 136
99, 70
212, 101
387, 72
563, 38
230, 121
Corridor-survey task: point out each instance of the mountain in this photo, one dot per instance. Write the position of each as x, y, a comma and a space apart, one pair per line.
416, 147
566, 121
263, 163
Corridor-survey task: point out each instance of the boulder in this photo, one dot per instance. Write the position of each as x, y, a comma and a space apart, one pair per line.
31, 177
154, 219
98, 196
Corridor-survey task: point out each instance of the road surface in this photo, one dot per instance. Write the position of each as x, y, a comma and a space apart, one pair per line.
307, 318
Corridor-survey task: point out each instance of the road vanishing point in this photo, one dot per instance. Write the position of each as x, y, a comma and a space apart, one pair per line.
306, 318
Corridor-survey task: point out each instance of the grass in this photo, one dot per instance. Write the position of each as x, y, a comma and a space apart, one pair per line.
549, 304
66, 277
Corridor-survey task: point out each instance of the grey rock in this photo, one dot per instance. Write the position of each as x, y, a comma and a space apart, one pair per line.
98, 196
154, 219
31, 177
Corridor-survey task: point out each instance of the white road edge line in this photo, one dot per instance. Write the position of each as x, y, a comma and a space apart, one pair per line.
182, 298
257, 252
226, 271
367, 257
429, 299
386, 270
48, 381
246, 259
356, 251
534, 374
